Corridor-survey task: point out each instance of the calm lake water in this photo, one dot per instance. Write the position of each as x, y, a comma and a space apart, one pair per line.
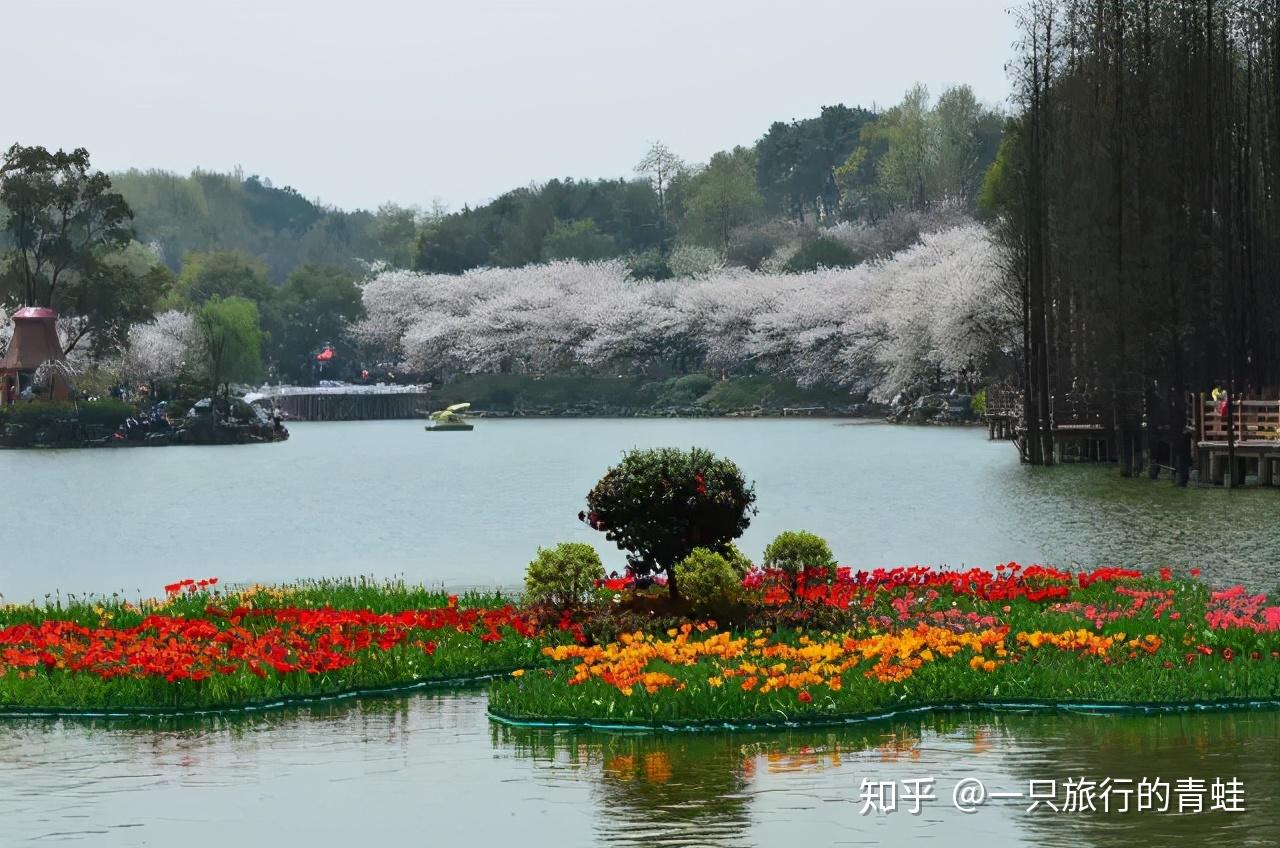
431, 770
387, 498
469, 509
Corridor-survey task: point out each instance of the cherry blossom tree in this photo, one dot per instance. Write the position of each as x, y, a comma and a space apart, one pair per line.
158, 351
929, 315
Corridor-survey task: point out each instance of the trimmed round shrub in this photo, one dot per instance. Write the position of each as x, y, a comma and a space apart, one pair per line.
660, 504
797, 553
562, 576
707, 579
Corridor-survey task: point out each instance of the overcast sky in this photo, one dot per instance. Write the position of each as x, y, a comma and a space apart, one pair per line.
356, 102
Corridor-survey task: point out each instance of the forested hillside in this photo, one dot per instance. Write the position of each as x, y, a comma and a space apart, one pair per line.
755, 202
838, 252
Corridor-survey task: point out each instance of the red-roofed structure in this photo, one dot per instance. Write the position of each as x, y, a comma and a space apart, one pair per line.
35, 342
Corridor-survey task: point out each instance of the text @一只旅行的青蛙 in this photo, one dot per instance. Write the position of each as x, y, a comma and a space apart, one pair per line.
1072, 795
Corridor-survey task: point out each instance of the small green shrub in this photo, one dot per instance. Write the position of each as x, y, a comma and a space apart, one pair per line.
707, 580
107, 412
694, 384
683, 391
649, 265
799, 553
38, 412
822, 253
978, 403
562, 576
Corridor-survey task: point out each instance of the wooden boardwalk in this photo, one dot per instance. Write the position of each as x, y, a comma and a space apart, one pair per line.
1003, 412
1228, 452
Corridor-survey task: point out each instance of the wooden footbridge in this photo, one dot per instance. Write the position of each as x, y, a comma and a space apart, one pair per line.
1081, 430
1226, 451
1230, 450
344, 402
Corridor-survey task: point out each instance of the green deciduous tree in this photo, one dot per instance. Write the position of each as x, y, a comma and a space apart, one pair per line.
68, 234
722, 197
229, 339
313, 308
395, 232
580, 240
906, 172
917, 154
223, 273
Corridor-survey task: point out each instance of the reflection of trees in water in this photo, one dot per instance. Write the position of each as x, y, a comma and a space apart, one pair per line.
1208, 745
698, 787
1086, 515
682, 788
382, 720
651, 789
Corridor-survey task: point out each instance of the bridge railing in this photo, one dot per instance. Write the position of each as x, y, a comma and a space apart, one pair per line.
346, 389
1003, 403
1251, 420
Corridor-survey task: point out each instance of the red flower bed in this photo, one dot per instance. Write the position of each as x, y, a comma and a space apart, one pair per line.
1036, 583
227, 642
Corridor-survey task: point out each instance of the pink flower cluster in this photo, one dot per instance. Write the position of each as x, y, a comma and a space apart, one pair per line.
1159, 601
1234, 608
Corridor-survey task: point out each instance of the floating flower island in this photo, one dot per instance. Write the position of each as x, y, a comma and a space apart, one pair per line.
837, 647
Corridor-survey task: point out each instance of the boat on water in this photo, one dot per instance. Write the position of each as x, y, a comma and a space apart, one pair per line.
450, 418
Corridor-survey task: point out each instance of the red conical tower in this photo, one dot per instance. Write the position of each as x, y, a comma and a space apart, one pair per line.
35, 342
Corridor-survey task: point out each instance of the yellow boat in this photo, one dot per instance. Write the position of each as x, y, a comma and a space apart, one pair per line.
450, 419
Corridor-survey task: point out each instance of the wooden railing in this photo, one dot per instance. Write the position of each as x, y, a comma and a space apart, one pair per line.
1253, 420
1003, 403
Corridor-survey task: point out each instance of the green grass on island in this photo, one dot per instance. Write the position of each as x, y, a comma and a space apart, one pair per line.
206, 646
843, 644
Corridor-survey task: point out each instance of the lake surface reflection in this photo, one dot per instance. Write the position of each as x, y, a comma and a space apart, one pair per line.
432, 770
386, 498
460, 509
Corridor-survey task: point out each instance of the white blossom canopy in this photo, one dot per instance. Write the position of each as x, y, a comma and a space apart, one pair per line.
933, 310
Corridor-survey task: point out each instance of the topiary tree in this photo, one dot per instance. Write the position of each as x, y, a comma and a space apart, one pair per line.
797, 552
660, 504
563, 575
708, 580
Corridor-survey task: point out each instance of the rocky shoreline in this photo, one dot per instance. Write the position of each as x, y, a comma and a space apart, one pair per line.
241, 424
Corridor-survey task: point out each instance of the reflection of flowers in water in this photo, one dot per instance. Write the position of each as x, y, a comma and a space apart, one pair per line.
657, 767
651, 767
711, 788
803, 759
